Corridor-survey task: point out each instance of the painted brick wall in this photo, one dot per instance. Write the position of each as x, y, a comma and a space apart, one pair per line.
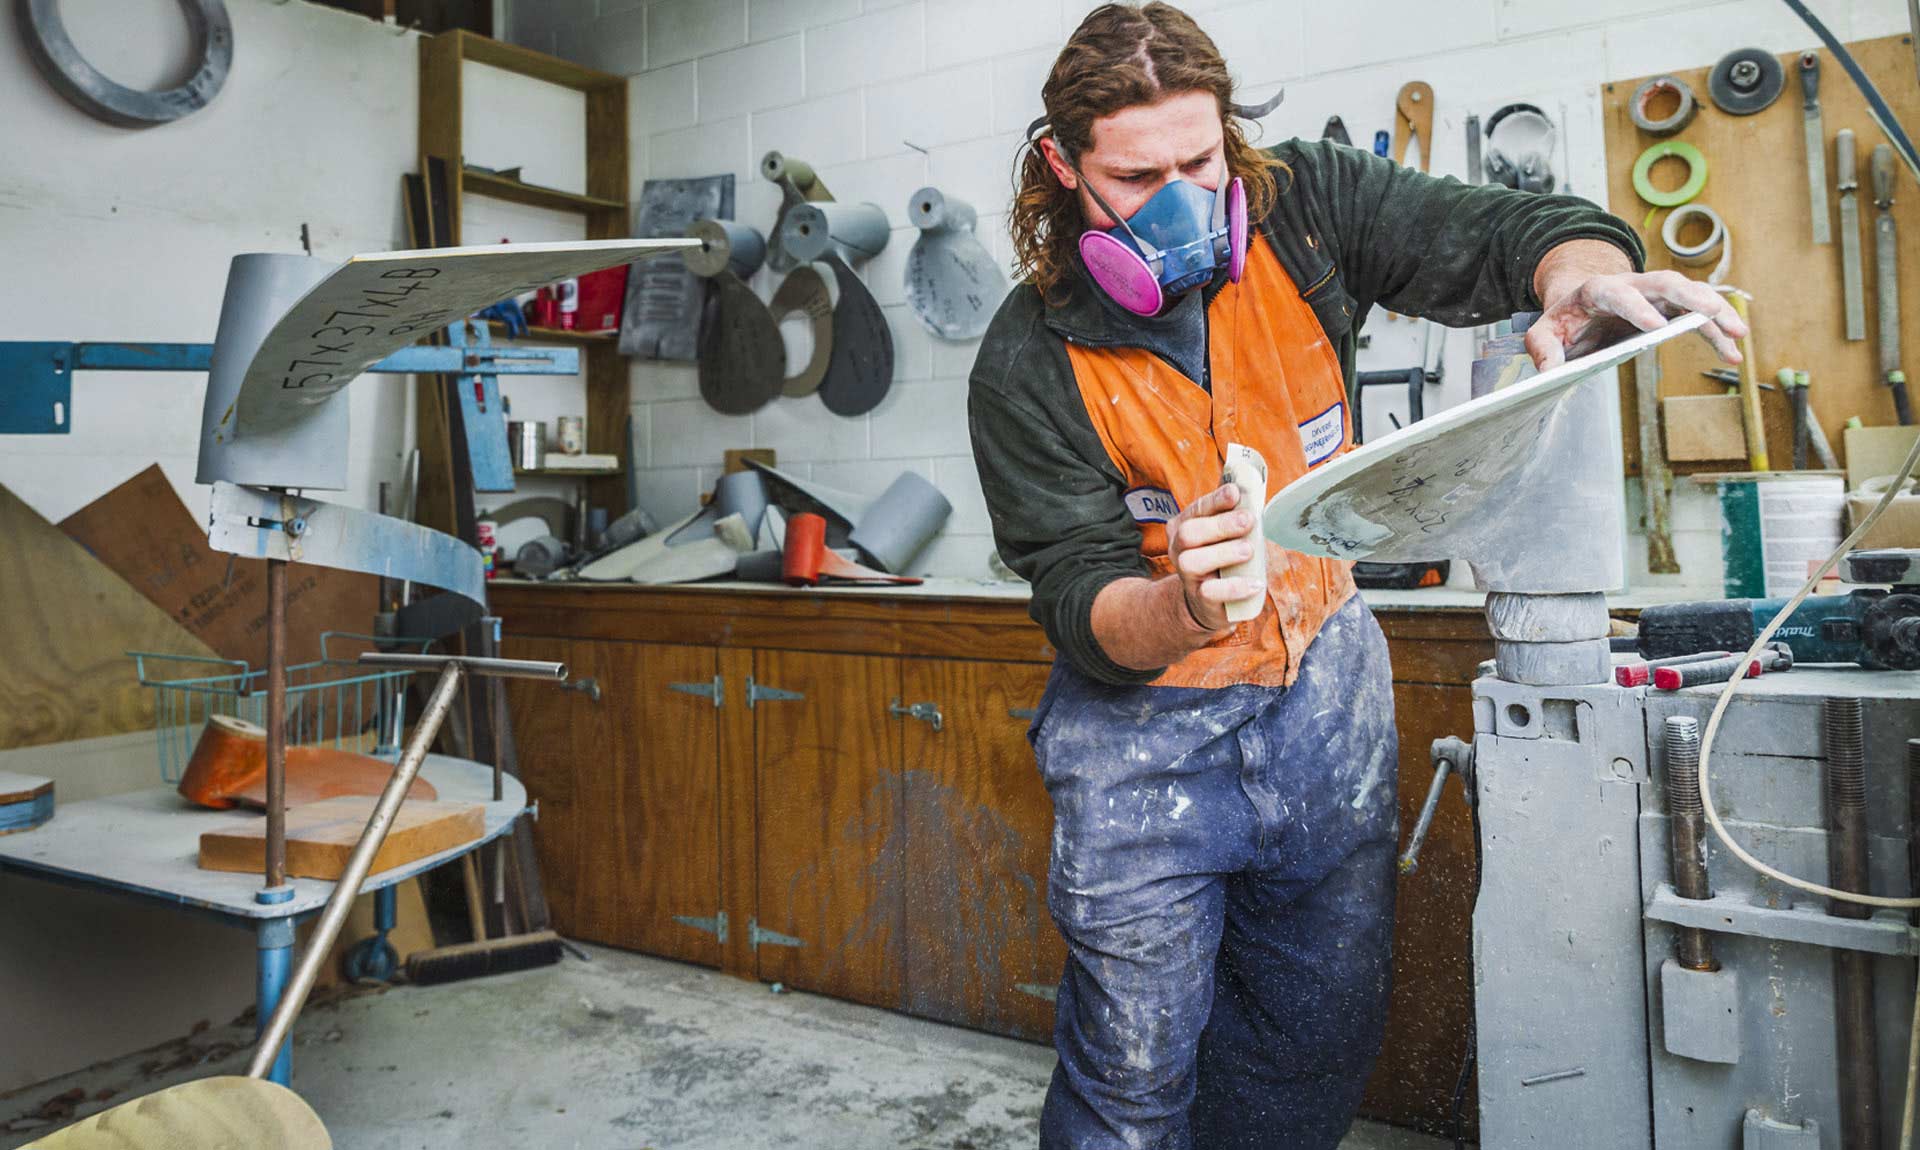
884, 97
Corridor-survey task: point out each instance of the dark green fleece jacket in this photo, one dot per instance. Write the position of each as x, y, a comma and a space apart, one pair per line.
1351, 229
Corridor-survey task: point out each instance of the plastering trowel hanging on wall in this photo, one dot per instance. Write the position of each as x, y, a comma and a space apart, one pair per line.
741, 357
860, 366
953, 284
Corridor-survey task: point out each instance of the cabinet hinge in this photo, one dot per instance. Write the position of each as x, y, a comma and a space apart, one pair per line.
715, 926
755, 693
1038, 990
925, 712
759, 936
716, 690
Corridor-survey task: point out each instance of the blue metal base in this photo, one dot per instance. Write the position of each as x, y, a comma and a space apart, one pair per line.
273, 971
36, 378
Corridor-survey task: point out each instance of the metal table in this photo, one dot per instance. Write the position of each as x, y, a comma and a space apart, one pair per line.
146, 843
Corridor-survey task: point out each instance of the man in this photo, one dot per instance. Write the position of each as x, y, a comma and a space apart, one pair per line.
1224, 796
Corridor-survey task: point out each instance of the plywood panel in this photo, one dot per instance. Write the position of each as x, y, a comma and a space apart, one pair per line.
69, 622
832, 838
1757, 182
1432, 1002
143, 532
982, 950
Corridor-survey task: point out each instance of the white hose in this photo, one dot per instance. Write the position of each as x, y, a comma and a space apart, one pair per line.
1726, 696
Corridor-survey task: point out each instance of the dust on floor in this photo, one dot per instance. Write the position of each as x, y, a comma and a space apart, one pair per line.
621, 1051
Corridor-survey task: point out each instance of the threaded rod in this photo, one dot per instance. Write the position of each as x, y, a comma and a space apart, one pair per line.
1687, 836
1857, 1068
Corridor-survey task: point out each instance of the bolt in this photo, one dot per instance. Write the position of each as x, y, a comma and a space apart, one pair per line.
1744, 74
1622, 769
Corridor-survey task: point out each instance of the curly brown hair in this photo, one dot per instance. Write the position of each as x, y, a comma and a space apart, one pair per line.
1120, 56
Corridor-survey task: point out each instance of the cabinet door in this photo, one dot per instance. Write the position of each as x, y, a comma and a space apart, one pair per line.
981, 948
628, 789
547, 723
649, 812
830, 839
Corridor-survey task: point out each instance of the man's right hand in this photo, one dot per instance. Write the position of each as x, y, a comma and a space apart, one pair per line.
1211, 533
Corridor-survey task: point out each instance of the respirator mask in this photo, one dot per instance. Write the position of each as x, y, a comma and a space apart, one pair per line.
1175, 242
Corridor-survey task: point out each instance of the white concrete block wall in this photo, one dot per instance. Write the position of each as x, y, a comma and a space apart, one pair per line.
884, 96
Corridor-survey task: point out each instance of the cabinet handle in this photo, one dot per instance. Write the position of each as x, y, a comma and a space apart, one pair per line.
925, 712
588, 687
1027, 713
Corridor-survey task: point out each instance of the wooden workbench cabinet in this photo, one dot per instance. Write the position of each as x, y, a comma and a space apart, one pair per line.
835, 792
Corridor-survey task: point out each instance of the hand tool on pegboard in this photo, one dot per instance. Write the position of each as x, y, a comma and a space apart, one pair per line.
1848, 184
1886, 282
1413, 116
1816, 146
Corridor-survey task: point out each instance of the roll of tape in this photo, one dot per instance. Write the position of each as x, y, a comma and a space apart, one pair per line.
1684, 152
1716, 249
1666, 125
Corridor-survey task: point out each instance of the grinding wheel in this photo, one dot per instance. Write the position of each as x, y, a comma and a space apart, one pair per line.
861, 369
805, 290
1746, 81
741, 358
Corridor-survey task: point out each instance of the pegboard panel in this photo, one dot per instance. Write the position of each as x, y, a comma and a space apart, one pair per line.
1757, 182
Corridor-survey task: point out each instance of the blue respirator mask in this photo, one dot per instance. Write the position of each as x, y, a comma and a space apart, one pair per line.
1175, 242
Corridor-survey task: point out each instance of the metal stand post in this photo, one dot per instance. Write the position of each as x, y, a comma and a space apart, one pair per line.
276, 723
273, 970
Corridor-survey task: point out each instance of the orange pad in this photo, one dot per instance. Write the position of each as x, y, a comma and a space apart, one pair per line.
229, 769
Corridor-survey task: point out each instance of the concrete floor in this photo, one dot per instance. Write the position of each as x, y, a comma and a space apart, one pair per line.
622, 1051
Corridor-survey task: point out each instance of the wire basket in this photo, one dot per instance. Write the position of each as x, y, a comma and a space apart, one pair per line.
332, 701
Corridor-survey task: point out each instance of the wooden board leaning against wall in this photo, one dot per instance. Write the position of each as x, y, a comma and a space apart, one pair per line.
1757, 182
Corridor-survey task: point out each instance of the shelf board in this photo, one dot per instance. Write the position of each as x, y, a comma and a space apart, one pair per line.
527, 62
553, 335
533, 195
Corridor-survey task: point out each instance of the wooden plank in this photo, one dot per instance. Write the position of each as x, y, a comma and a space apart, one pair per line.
667, 753
1432, 1002
981, 951
321, 836
739, 856
545, 725
533, 195
145, 534
1797, 315
1704, 429
70, 622
609, 387
440, 114
831, 834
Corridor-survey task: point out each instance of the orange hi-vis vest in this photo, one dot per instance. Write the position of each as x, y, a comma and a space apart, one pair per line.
1278, 388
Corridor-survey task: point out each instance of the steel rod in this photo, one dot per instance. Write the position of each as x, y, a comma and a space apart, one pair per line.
276, 863
320, 943
1857, 1067
509, 668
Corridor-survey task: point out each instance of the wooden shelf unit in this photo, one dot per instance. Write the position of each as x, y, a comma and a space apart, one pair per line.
604, 207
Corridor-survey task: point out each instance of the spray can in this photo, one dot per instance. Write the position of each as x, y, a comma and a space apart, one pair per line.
569, 292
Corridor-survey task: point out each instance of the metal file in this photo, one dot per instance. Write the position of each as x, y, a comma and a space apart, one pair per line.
1856, 307
1816, 146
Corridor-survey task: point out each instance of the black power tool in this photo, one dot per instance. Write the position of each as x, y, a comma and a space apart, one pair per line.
1871, 626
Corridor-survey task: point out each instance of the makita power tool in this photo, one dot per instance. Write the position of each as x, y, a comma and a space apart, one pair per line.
1871, 626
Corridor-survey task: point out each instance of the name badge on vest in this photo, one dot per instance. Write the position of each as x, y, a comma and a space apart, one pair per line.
1321, 436
1152, 505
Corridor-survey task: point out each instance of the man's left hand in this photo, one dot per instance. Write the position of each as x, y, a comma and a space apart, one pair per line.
1590, 303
